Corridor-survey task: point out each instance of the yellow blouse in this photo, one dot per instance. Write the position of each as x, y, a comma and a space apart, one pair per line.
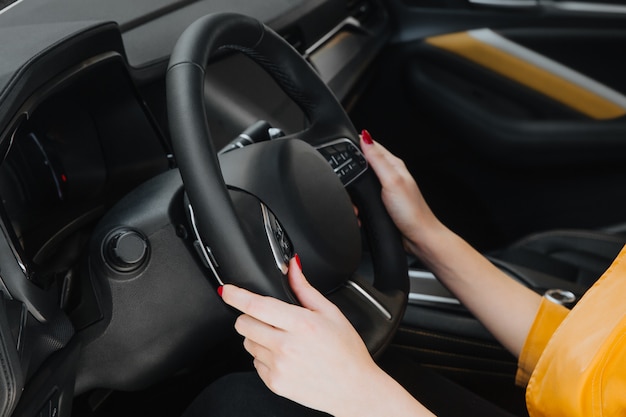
575, 362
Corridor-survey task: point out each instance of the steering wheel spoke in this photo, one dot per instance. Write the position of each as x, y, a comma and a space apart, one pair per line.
371, 311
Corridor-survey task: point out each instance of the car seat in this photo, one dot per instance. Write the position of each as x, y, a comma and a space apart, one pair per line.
570, 260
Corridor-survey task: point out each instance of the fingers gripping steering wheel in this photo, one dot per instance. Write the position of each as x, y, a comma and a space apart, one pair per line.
254, 207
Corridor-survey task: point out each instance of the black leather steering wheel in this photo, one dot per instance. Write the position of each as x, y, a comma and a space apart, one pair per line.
254, 207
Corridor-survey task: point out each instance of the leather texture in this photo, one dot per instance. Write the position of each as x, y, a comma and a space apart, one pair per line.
506, 120
577, 257
538, 72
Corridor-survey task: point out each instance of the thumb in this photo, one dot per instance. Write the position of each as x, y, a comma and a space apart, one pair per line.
307, 295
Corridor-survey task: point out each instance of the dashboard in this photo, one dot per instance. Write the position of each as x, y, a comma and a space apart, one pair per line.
74, 157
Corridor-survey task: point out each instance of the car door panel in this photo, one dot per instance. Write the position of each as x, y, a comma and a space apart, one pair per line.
499, 159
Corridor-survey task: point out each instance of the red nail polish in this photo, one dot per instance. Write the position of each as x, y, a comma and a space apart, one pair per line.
298, 261
367, 138
219, 290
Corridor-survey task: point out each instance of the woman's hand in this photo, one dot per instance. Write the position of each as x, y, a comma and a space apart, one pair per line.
311, 354
400, 194
506, 307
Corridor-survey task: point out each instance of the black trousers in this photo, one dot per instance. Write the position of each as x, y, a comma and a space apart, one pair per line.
244, 394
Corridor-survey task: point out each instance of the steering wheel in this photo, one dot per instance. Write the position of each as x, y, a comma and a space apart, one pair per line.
253, 208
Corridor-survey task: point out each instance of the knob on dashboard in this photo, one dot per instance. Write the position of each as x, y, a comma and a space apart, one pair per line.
125, 250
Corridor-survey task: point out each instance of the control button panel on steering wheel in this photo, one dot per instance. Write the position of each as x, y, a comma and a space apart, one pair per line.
280, 244
345, 158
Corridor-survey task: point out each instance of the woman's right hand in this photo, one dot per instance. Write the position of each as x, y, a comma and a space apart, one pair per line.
400, 194
506, 307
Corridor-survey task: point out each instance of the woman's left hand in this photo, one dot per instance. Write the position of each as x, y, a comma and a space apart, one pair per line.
310, 354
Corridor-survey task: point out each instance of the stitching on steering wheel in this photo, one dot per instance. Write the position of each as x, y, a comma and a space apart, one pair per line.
276, 71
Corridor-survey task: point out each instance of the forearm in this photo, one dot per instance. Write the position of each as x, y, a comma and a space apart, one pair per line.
506, 307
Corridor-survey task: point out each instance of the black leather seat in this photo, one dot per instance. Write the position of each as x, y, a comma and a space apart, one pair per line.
566, 259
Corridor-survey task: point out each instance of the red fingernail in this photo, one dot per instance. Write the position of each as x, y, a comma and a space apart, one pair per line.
298, 261
367, 138
219, 290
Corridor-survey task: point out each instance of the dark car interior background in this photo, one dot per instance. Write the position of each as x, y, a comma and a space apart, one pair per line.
511, 115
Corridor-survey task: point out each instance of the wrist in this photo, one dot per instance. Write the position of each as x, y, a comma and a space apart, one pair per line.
428, 239
380, 395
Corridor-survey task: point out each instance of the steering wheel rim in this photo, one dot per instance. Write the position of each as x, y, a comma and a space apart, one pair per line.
217, 220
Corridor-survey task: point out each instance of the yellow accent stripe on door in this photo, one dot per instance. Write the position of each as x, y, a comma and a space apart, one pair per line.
565, 91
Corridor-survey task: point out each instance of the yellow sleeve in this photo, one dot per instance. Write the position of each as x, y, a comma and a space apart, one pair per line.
549, 317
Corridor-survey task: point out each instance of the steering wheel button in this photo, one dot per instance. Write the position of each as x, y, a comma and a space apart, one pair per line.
280, 245
198, 247
345, 159
285, 247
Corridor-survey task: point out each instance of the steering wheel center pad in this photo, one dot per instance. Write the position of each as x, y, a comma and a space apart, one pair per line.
296, 183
